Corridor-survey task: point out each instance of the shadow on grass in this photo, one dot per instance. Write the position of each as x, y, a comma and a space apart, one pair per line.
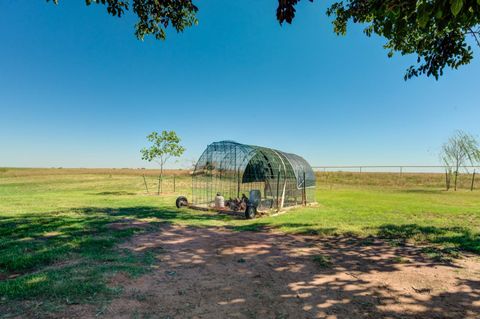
30, 241
424, 191
448, 239
297, 228
457, 237
158, 214
57, 256
114, 193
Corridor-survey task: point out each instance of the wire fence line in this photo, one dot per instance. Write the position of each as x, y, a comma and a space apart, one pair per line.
407, 176
404, 176
393, 168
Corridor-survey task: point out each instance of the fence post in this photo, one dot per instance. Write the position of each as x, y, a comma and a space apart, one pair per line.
159, 184
145, 181
174, 186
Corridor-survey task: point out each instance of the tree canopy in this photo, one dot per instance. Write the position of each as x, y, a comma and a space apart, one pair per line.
460, 150
163, 146
437, 31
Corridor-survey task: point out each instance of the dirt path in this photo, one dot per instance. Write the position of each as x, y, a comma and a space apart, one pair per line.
217, 273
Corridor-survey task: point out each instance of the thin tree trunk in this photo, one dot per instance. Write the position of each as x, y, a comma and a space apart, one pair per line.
447, 182
473, 181
160, 177
160, 180
456, 177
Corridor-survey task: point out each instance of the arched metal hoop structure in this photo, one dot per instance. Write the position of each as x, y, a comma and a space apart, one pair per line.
233, 169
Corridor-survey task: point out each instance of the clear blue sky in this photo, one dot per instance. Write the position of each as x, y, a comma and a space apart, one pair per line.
77, 89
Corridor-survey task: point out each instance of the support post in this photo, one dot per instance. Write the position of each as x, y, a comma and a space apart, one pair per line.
159, 183
278, 189
304, 197
145, 181
238, 183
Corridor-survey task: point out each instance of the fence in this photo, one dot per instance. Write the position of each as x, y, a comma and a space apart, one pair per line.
392, 168
169, 184
406, 176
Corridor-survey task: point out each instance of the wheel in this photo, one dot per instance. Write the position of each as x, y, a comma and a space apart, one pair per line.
181, 202
250, 212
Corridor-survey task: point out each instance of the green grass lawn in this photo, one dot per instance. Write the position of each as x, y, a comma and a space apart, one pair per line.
56, 244
427, 216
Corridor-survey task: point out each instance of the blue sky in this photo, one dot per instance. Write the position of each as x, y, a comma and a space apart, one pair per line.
77, 89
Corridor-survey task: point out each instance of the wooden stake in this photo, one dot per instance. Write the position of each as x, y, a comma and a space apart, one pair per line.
304, 197
159, 182
145, 181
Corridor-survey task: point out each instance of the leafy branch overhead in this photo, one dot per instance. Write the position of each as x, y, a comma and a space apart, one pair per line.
154, 16
436, 31
439, 32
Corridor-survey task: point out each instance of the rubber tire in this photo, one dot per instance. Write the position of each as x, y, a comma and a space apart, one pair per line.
250, 212
181, 202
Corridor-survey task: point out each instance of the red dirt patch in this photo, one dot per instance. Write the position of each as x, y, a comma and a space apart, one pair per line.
217, 273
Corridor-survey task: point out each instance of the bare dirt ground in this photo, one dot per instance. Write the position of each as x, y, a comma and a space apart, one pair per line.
218, 273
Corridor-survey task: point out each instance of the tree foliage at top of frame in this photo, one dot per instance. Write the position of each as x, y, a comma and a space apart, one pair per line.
154, 16
437, 31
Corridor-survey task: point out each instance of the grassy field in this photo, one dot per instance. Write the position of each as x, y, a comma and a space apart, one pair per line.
58, 244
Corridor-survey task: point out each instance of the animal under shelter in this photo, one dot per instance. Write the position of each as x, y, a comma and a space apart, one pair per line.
272, 179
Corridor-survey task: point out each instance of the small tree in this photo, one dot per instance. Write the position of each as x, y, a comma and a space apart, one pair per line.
461, 148
472, 148
164, 146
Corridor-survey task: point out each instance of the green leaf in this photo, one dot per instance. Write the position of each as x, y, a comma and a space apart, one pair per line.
439, 13
422, 19
456, 6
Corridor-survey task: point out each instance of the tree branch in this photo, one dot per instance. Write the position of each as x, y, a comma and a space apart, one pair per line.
475, 34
